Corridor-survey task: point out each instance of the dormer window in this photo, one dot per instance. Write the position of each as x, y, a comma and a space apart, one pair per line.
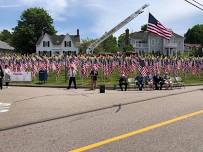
67, 44
46, 43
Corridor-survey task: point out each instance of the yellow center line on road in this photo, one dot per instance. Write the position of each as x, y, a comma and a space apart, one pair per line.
136, 132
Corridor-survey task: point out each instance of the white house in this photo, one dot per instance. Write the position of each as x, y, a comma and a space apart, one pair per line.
58, 44
145, 42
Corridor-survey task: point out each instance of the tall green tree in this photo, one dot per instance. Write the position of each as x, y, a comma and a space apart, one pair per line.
121, 44
6, 36
195, 35
121, 41
110, 44
33, 22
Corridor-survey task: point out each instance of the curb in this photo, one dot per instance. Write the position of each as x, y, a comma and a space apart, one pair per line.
80, 87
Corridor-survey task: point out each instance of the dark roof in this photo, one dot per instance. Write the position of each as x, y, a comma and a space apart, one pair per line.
177, 36
139, 35
58, 39
5, 46
75, 38
143, 35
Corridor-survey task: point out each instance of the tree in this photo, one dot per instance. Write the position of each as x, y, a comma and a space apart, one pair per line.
110, 44
85, 43
128, 48
197, 52
144, 27
122, 45
6, 36
195, 35
33, 22
121, 41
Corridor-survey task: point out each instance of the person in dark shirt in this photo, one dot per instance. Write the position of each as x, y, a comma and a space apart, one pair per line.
1, 77
139, 82
72, 74
93, 75
158, 82
161, 82
123, 82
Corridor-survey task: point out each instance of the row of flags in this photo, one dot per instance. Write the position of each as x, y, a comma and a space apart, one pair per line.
124, 65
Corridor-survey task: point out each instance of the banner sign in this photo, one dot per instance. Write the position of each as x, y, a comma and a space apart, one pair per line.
21, 76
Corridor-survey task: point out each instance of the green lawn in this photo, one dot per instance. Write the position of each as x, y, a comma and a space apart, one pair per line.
109, 81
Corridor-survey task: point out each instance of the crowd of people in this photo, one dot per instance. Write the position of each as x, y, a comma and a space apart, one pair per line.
148, 67
154, 82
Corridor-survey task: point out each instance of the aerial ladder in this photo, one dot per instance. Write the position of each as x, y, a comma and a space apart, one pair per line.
92, 46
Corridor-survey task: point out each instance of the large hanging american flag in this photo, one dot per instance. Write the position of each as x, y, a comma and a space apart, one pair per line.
157, 28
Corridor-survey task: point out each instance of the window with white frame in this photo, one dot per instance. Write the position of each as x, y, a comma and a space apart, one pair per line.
46, 44
67, 44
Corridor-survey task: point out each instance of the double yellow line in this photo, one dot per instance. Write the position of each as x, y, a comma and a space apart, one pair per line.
136, 132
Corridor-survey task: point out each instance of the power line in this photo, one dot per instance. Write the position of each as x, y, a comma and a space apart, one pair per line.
194, 5
197, 2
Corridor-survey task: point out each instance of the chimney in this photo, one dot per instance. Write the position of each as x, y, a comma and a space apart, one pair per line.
127, 37
78, 32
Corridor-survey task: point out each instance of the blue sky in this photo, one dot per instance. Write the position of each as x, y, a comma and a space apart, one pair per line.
94, 17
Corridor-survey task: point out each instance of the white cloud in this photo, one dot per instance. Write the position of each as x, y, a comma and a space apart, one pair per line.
57, 8
105, 14
114, 11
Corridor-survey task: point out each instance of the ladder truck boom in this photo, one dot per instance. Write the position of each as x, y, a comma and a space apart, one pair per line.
92, 46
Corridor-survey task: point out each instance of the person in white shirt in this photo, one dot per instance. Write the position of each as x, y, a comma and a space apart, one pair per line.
7, 75
72, 73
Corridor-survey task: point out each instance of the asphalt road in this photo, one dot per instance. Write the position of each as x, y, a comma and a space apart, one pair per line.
141, 126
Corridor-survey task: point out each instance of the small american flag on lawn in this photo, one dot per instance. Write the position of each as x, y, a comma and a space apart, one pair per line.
157, 28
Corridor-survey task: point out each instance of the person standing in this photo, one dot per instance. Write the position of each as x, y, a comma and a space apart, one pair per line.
1, 77
7, 75
93, 75
72, 73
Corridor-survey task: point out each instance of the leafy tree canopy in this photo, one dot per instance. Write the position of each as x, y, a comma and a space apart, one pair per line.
195, 35
144, 27
110, 44
6, 36
33, 22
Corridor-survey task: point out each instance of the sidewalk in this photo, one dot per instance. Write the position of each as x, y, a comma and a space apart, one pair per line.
35, 105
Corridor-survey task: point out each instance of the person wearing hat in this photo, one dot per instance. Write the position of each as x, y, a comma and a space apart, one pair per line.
93, 75
72, 73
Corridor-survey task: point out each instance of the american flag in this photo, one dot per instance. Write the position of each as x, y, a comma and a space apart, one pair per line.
142, 68
157, 28
85, 68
